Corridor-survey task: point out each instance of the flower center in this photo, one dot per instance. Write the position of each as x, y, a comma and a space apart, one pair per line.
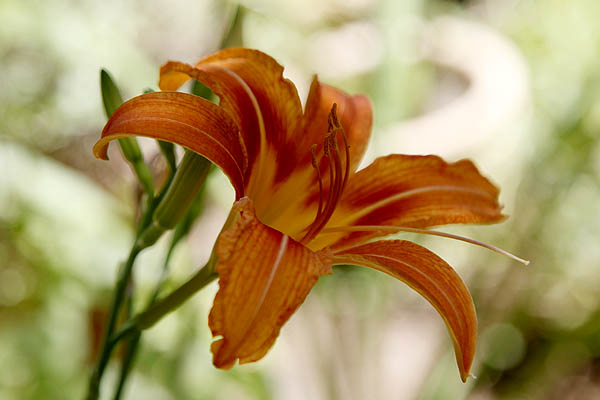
338, 174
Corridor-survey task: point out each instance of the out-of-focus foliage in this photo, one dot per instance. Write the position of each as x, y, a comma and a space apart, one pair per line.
514, 85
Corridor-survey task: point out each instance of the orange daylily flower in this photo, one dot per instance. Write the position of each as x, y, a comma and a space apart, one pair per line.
301, 207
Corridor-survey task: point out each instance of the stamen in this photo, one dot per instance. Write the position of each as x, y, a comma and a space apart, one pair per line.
321, 219
337, 181
337, 163
375, 228
340, 182
336, 126
313, 151
347, 148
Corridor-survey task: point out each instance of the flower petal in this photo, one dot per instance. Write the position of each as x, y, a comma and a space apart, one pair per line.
277, 96
265, 105
434, 279
412, 191
234, 97
264, 276
184, 119
354, 112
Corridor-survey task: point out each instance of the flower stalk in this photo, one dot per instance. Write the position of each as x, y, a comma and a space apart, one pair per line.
161, 213
154, 313
107, 345
132, 343
166, 215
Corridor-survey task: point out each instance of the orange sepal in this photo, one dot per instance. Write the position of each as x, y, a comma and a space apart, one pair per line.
264, 276
412, 191
434, 279
183, 119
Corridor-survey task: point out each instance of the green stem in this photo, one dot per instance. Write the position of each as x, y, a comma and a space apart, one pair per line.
130, 346
134, 342
156, 219
141, 170
107, 343
130, 354
170, 303
160, 309
168, 151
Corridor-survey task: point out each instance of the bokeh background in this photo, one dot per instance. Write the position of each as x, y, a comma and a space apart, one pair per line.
512, 84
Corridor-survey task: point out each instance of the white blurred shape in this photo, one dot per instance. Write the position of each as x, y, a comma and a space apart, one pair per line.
352, 49
497, 95
184, 30
408, 349
76, 225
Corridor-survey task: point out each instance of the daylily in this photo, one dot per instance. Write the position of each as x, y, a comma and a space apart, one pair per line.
301, 206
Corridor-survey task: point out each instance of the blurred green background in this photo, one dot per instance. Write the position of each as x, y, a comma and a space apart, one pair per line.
512, 84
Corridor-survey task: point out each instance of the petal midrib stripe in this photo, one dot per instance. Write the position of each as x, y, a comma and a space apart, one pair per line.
412, 192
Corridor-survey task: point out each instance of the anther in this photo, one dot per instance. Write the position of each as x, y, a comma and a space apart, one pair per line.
333, 118
313, 151
326, 146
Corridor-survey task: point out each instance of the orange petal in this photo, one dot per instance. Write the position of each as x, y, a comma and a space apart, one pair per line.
184, 119
277, 96
434, 279
412, 191
252, 89
264, 276
354, 112
234, 97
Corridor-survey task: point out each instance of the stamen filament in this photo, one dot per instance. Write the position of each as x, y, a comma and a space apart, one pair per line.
337, 181
321, 219
313, 151
391, 228
334, 122
337, 190
347, 172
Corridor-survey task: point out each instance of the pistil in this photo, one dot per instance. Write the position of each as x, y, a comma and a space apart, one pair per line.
394, 229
